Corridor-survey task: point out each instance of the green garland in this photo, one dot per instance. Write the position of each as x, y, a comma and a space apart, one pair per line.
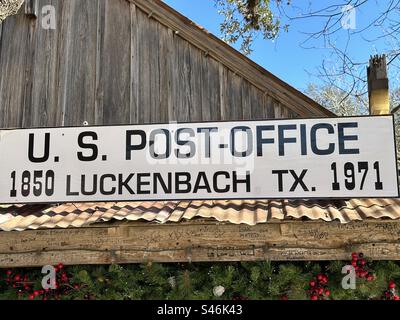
241, 280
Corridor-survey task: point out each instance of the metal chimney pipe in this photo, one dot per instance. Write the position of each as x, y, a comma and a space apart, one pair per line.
378, 86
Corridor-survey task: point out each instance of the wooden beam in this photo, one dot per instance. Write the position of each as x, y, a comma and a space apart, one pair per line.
200, 240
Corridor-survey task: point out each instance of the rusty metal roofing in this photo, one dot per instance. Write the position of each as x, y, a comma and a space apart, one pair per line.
21, 217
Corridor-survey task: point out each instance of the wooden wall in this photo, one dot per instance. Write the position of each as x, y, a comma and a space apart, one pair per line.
108, 62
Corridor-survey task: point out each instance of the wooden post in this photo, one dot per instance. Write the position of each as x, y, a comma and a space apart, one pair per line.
378, 86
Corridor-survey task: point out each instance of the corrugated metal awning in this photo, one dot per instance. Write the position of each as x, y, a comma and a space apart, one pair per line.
251, 212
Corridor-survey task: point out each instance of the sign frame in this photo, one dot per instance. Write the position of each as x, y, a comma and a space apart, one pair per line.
221, 198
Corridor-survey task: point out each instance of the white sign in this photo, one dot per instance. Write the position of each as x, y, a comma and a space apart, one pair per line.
271, 159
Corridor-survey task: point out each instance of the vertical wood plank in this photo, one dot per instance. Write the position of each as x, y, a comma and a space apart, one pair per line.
43, 106
183, 97
166, 74
174, 94
246, 100
99, 90
144, 108
134, 64
269, 107
115, 62
153, 39
234, 95
277, 109
195, 80
258, 111
285, 111
78, 62
222, 91
210, 89
13, 63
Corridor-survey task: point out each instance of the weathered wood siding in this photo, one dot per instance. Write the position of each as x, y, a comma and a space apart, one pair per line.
108, 62
200, 240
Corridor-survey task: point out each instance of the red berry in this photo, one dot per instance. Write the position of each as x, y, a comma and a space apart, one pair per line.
396, 297
354, 255
392, 285
26, 287
284, 297
312, 283
362, 262
320, 277
31, 297
324, 280
36, 292
370, 277
327, 292
60, 266
9, 272
363, 274
41, 291
320, 291
17, 277
354, 263
76, 286
314, 297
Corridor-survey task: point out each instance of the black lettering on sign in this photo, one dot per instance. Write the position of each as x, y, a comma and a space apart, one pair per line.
153, 135
249, 142
46, 152
69, 192
141, 182
207, 134
89, 146
343, 138
182, 182
280, 174
102, 183
282, 139
237, 181
217, 188
184, 142
201, 183
131, 147
298, 180
167, 187
83, 185
261, 141
314, 145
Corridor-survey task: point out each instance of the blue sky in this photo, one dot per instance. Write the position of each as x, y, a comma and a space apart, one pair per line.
284, 57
